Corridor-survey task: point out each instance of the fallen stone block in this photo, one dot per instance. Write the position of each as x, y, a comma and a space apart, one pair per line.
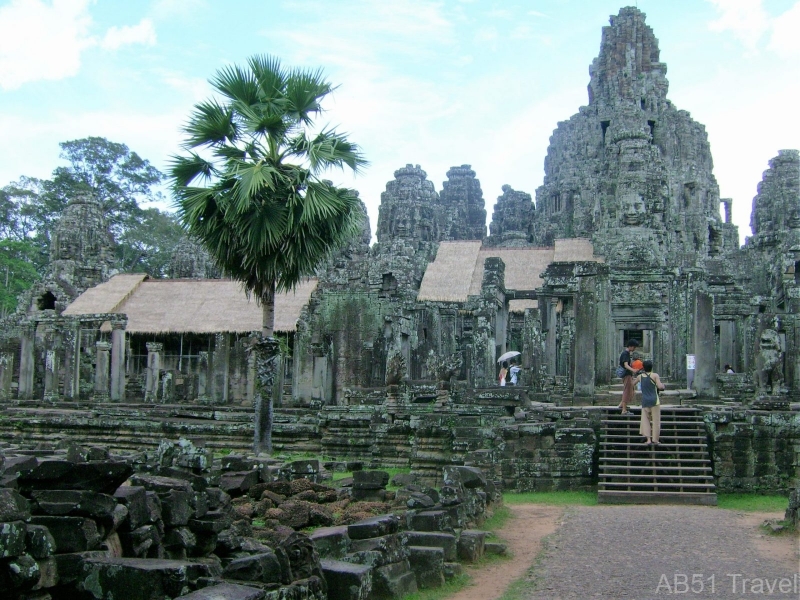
154, 512
430, 520
48, 574
428, 566
368, 495
495, 549
176, 507
226, 591
370, 480
39, 543
263, 567
143, 542
419, 500
395, 580
198, 482
430, 539
19, 573
236, 484
331, 542
79, 503
70, 566
347, 581
13, 506
389, 548
160, 485
59, 474
452, 570
373, 527
213, 521
134, 498
71, 534
469, 477
12, 539
471, 545
142, 579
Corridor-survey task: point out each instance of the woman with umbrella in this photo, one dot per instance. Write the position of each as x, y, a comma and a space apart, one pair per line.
504, 367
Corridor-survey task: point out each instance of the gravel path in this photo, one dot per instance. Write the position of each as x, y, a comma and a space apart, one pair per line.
656, 552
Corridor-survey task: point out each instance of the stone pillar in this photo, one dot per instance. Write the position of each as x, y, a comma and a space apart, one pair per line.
71, 339
584, 348
550, 344
705, 380
27, 362
727, 345
202, 376
101, 371
118, 359
6, 373
151, 386
221, 362
52, 357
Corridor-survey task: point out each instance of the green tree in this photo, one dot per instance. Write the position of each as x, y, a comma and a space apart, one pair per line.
250, 186
17, 272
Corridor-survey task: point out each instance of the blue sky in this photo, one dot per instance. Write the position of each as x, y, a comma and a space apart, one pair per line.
431, 83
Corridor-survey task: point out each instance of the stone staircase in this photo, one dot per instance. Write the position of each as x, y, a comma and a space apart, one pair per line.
677, 471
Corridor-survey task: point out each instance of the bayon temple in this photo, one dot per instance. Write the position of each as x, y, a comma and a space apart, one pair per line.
391, 351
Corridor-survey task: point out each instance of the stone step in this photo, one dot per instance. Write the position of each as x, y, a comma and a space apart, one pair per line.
645, 497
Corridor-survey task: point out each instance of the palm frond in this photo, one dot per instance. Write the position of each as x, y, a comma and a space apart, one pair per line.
237, 84
210, 124
328, 149
185, 169
270, 75
305, 90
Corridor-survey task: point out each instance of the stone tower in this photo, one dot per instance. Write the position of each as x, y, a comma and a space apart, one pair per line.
512, 219
408, 208
630, 171
462, 204
190, 260
81, 246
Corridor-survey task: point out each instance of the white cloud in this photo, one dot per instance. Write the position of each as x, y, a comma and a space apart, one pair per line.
143, 33
785, 40
42, 41
746, 19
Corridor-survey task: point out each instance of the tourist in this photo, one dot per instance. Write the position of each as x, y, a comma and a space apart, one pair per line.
627, 379
651, 405
514, 372
728, 369
503, 373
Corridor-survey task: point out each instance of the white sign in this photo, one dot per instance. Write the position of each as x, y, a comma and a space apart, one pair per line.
690, 362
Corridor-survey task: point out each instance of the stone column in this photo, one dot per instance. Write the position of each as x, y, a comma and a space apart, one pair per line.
705, 380
221, 362
727, 344
550, 344
202, 376
101, 372
71, 339
6, 373
27, 362
118, 359
52, 352
583, 350
151, 386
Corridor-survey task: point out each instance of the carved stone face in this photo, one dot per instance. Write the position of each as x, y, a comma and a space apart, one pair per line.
794, 219
633, 210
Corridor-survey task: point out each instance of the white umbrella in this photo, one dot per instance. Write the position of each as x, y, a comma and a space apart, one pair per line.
508, 355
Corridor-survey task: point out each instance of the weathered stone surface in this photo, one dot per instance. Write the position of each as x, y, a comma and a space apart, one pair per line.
13, 506
134, 499
226, 591
263, 567
142, 542
469, 477
394, 580
387, 548
373, 527
70, 565
19, 573
71, 534
161, 485
370, 480
58, 474
213, 521
347, 581
75, 503
430, 520
141, 579
471, 545
445, 541
238, 483
39, 543
12, 539
176, 507
428, 566
331, 542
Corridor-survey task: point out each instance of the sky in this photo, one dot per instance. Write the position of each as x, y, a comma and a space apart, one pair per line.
431, 83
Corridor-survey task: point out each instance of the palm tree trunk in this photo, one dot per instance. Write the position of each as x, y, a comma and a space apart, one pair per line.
266, 362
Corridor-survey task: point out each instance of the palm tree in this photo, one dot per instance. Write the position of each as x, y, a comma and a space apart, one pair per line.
250, 185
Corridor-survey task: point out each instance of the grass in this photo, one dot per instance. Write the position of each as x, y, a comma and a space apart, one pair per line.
501, 515
753, 502
565, 498
448, 589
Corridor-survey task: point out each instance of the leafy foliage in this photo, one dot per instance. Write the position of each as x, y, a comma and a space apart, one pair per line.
250, 187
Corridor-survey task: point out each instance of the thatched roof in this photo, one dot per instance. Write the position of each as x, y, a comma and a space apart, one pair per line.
457, 270
188, 305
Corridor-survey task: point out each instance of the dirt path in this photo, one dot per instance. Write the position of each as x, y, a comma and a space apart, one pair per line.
629, 551
523, 535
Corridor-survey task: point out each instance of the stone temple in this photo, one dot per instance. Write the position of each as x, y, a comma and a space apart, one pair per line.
393, 348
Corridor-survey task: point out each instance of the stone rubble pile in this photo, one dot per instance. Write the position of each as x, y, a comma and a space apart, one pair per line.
78, 523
